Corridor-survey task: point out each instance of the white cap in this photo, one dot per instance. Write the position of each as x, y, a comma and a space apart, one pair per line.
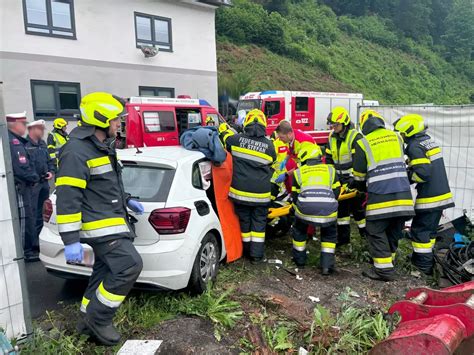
13, 117
36, 123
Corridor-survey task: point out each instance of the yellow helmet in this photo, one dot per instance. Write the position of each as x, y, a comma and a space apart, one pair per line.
209, 119
409, 125
59, 123
368, 114
99, 108
339, 115
255, 116
308, 151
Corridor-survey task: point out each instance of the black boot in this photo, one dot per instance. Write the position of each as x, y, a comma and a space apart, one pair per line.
81, 325
371, 274
105, 334
326, 271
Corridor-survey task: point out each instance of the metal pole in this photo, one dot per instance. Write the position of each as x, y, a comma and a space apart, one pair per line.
15, 217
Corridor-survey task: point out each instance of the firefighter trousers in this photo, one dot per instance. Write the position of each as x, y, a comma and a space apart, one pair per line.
423, 232
346, 208
116, 268
383, 236
253, 221
328, 243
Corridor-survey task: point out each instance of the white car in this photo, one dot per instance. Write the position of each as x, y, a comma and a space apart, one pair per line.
179, 237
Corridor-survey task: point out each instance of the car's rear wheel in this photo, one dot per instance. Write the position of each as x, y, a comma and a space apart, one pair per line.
206, 264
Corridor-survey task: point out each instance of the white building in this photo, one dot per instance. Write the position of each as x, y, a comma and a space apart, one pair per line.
53, 52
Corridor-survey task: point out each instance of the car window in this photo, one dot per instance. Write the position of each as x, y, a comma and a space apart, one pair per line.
159, 121
149, 184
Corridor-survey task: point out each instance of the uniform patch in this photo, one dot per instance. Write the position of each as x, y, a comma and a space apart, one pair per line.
15, 141
22, 159
282, 149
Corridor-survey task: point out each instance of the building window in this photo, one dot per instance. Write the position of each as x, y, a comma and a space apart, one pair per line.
154, 91
52, 99
54, 18
153, 31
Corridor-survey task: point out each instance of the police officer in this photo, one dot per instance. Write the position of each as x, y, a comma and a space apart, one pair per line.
315, 192
92, 208
252, 157
45, 168
425, 169
57, 138
25, 179
342, 142
379, 169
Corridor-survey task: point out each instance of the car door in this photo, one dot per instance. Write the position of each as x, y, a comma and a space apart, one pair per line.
159, 126
274, 110
303, 113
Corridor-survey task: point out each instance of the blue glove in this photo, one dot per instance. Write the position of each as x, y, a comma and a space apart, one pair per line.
135, 206
74, 252
280, 178
283, 163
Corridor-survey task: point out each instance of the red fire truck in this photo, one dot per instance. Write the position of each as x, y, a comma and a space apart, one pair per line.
306, 111
155, 121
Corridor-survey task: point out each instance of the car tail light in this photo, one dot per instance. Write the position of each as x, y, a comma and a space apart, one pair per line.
170, 220
47, 210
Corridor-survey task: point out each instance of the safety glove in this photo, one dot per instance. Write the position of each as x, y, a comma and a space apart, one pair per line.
74, 252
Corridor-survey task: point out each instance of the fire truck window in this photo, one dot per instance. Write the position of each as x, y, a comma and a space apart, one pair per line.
272, 108
159, 121
301, 104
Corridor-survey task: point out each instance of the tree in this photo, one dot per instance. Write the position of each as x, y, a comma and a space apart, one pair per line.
440, 10
413, 18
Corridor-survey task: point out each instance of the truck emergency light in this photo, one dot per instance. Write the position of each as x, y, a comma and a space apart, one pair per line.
170, 220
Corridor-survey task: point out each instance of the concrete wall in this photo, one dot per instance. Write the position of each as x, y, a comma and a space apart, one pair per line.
104, 56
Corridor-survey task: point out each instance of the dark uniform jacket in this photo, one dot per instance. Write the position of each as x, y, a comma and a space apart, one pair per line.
24, 170
426, 169
341, 150
380, 169
40, 158
91, 202
252, 155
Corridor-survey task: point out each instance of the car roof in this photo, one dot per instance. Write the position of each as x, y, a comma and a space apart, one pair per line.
171, 155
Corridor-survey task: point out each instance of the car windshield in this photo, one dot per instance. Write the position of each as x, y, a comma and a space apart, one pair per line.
148, 184
248, 105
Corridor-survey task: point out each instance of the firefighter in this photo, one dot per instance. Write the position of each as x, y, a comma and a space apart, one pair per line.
341, 148
45, 168
379, 168
252, 157
210, 121
57, 138
92, 208
279, 166
315, 192
425, 169
26, 178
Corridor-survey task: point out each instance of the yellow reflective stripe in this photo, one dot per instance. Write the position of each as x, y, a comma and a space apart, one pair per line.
435, 198
422, 245
433, 241
376, 206
245, 235
69, 218
258, 234
328, 245
109, 295
85, 301
299, 244
253, 152
51, 146
356, 173
383, 260
419, 161
103, 223
416, 178
93, 163
336, 185
295, 189
71, 181
433, 151
250, 194
52, 155
328, 151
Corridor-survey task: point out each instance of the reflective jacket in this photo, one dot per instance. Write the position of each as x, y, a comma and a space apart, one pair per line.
379, 162
24, 170
340, 152
252, 157
315, 192
295, 146
426, 169
91, 202
281, 150
56, 139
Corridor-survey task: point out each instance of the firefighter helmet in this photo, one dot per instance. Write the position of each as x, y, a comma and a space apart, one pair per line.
255, 116
339, 115
409, 125
99, 108
308, 151
59, 123
209, 121
369, 114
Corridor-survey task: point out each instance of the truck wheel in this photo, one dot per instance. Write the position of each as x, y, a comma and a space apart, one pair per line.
206, 265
